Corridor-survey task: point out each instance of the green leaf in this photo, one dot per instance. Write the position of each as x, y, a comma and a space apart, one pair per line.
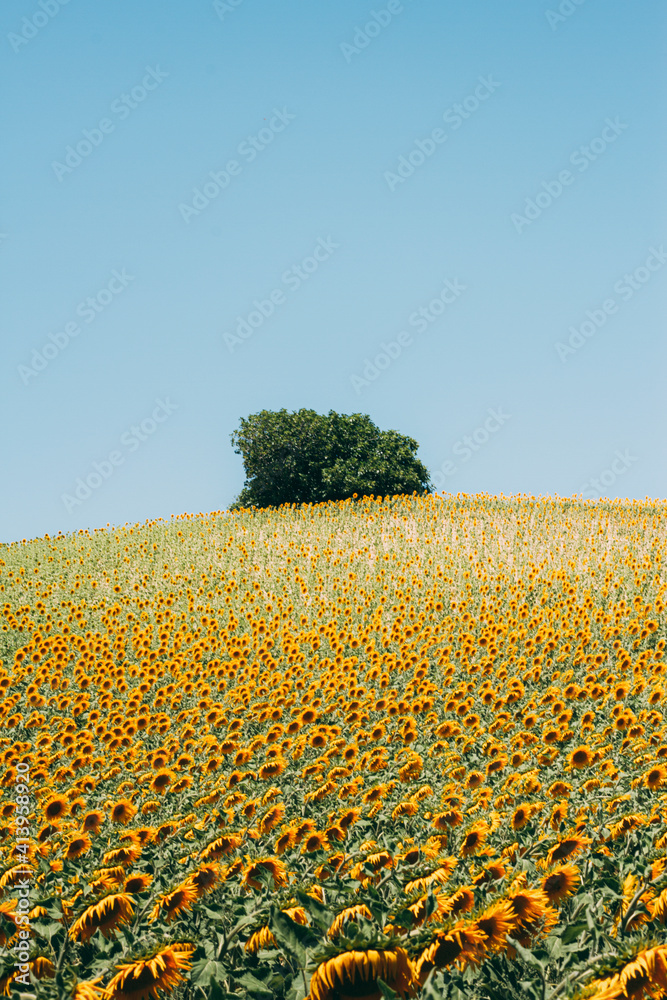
527, 956
254, 986
53, 909
431, 904
321, 914
216, 992
404, 918
210, 949
572, 931
206, 971
268, 954
293, 937
297, 992
47, 928
387, 991
530, 988
430, 991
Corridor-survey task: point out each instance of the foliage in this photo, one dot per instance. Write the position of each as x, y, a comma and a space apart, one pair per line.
411, 746
304, 457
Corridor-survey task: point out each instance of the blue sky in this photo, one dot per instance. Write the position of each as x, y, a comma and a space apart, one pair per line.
365, 155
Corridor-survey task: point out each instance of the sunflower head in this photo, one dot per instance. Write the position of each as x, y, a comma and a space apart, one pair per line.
495, 924
92, 821
78, 845
474, 839
57, 807
122, 811
273, 866
656, 777
105, 915
172, 903
89, 990
582, 756
356, 973
137, 883
205, 878
146, 977
561, 882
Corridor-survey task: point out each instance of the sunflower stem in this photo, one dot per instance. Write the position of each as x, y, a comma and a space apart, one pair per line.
235, 931
145, 910
580, 973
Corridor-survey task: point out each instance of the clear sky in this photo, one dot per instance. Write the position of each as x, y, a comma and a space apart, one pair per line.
447, 215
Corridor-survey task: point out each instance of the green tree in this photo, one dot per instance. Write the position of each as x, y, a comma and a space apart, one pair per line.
305, 457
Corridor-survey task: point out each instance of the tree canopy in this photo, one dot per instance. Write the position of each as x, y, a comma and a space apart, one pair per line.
306, 457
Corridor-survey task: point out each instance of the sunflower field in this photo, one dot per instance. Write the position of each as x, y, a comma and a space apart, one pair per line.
388, 747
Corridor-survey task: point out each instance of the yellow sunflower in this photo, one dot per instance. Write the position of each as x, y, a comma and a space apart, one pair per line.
474, 839
567, 848
90, 990
122, 811
146, 977
495, 924
349, 913
78, 845
561, 882
464, 945
656, 777
205, 879
357, 972
273, 866
105, 916
259, 940
56, 808
529, 905
92, 821
137, 883
177, 901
